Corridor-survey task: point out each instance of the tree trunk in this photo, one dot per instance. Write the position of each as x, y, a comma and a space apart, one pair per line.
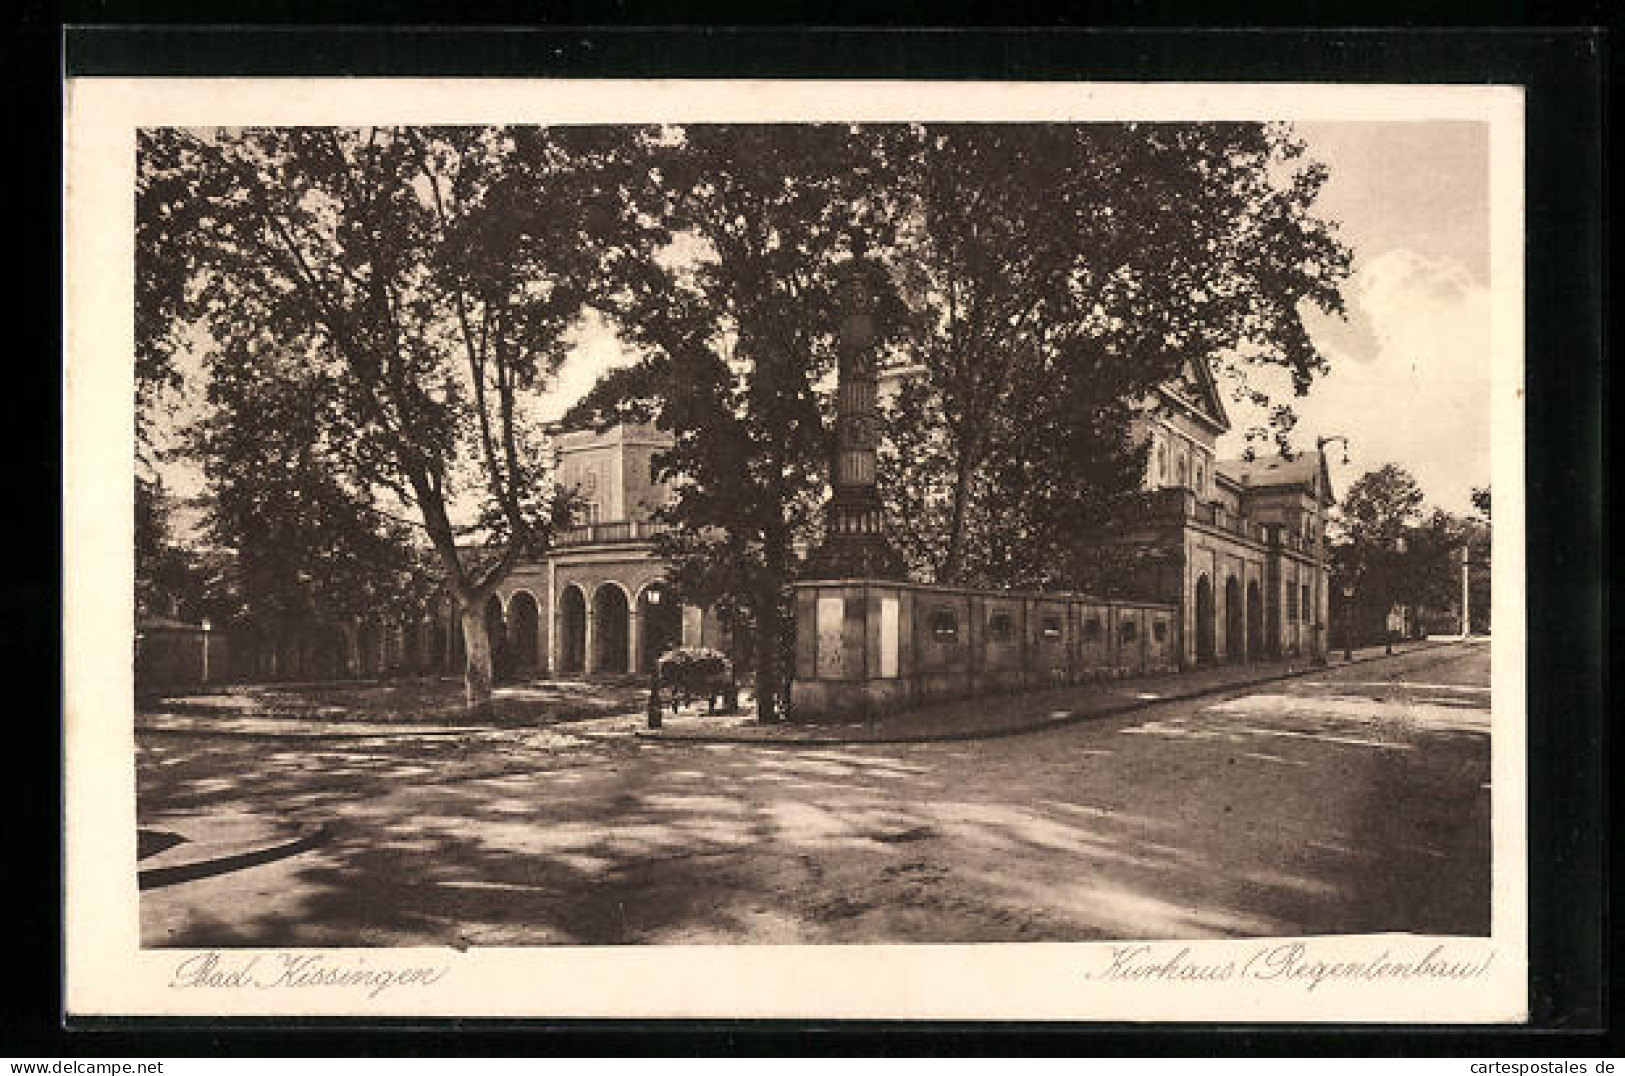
767, 668
771, 692
477, 644
950, 569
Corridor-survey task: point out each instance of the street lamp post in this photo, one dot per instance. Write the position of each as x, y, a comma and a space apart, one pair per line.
1394, 617
1466, 601
206, 626
1348, 621
1319, 655
652, 595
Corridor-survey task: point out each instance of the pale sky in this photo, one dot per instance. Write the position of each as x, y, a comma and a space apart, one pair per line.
1410, 371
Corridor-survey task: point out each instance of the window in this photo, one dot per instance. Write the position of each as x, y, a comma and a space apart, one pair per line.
1052, 627
1125, 631
944, 626
1091, 630
999, 628
1201, 473
1159, 631
1184, 472
1162, 462
1307, 615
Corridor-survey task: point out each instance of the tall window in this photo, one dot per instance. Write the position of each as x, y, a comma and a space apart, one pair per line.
1307, 615
1201, 474
1162, 462
1184, 472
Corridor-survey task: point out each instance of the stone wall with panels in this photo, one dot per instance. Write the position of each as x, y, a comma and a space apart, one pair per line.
866, 646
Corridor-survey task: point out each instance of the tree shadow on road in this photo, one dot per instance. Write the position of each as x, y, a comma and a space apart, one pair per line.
1105, 835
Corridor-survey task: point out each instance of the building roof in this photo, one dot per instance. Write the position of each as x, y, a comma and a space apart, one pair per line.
1276, 471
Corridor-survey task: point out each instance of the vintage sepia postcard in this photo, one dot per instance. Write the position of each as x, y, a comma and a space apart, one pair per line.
719, 549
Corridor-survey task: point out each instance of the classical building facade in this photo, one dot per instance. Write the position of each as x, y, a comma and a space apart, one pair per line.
1242, 541
1241, 546
590, 607
1245, 539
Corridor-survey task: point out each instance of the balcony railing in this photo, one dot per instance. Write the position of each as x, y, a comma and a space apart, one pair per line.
1176, 504
612, 532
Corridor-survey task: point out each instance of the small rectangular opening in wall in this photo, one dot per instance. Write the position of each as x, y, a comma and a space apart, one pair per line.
831, 619
888, 637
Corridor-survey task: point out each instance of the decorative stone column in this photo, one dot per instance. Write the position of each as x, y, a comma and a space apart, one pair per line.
849, 621
855, 545
589, 639
634, 639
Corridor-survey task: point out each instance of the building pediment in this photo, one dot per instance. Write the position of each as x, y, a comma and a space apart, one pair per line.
1196, 393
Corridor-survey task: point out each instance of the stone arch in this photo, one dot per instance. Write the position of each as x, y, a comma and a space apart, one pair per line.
459, 645
660, 626
412, 646
496, 628
368, 640
1255, 621
612, 628
438, 641
1204, 619
525, 630
331, 652
1233, 639
572, 620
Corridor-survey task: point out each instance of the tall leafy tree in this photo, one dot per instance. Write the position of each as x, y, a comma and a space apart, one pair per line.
1396, 551
427, 277
1058, 275
166, 578
1381, 507
1372, 548
1432, 565
736, 323
314, 547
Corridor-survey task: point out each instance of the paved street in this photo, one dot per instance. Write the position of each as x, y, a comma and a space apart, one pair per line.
1354, 800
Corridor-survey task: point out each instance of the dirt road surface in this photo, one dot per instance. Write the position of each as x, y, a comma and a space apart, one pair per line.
1356, 800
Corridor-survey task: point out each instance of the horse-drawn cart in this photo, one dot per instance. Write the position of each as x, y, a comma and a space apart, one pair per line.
690, 674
